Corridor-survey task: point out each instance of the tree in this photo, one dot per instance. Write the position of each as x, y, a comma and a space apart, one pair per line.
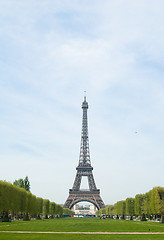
27, 184
109, 211
119, 208
58, 210
39, 207
29, 206
23, 183
139, 206
67, 211
146, 204
22, 200
52, 209
19, 183
129, 203
46, 208
157, 201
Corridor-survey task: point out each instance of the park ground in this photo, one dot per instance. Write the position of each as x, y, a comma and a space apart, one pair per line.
81, 228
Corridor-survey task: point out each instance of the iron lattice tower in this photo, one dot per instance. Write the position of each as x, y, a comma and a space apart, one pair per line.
84, 169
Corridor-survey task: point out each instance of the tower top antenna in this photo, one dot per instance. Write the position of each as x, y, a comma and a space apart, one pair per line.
84, 95
85, 104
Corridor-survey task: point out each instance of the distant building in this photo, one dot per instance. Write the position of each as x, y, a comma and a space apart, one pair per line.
87, 209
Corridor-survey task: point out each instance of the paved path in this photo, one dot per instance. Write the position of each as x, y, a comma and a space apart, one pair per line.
137, 233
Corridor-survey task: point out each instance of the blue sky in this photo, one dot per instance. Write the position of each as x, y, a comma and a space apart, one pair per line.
50, 52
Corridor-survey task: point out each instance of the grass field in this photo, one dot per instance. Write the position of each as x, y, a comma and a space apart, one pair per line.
14, 236
80, 225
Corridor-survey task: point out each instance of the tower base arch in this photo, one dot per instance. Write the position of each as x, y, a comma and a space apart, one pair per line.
86, 196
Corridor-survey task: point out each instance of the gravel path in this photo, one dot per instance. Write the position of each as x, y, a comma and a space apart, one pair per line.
134, 233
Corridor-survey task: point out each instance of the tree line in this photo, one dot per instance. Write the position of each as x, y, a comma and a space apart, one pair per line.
144, 206
17, 202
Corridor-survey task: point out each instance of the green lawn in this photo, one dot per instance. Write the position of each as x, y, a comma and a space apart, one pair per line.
83, 225
80, 225
14, 236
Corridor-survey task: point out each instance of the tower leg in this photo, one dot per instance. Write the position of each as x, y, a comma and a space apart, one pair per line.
77, 182
91, 182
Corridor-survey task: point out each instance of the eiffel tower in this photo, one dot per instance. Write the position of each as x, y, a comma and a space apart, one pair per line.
84, 169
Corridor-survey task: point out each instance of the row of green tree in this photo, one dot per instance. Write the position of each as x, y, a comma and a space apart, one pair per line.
148, 205
17, 202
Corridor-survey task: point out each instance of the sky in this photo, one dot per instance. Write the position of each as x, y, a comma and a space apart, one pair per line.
53, 51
